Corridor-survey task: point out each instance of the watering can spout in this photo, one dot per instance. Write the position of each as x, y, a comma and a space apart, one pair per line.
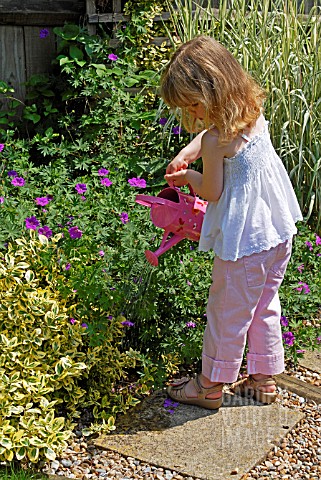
152, 257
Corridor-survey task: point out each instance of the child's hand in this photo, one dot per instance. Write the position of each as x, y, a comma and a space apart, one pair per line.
177, 179
177, 164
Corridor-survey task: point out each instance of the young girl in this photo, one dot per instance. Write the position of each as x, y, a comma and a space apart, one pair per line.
249, 222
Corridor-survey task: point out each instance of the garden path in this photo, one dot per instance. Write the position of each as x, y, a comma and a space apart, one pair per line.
213, 445
244, 440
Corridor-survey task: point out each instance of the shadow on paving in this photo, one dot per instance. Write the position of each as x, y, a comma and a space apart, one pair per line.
213, 445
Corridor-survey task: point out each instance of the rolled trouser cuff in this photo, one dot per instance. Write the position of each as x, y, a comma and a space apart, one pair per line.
220, 370
266, 364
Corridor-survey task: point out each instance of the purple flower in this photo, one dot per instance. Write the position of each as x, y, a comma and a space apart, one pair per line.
163, 121
319, 339
288, 338
309, 245
169, 405
102, 172
18, 181
32, 223
137, 182
42, 201
68, 266
128, 324
74, 232
190, 324
101, 253
72, 321
83, 198
300, 351
112, 57
188, 283
301, 267
1, 147
124, 217
45, 230
1, 199
84, 325
12, 173
106, 182
305, 288
284, 321
176, 130
81, 188
44, 32
317, 240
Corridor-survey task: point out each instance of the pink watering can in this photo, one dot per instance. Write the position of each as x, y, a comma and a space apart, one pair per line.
179, 214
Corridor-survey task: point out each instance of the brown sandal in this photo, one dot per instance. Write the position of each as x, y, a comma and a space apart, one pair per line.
248, 387
176, 391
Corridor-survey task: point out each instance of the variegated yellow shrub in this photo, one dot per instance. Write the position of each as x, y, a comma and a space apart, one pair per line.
47, 365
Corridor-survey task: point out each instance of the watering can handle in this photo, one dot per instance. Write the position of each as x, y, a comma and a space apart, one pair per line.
147, 201
191, 191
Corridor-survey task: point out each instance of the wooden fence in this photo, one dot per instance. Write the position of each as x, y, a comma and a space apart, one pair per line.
27, 41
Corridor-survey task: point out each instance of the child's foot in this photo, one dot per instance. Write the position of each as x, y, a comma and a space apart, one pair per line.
191, 392
197, 391
259, 386
269, 388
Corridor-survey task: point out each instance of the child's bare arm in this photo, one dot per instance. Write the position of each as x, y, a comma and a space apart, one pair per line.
208, 184
187, 155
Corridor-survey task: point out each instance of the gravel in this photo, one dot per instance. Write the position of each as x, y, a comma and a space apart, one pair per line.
297, 457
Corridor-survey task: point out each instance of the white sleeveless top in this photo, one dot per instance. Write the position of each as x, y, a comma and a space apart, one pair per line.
258, 207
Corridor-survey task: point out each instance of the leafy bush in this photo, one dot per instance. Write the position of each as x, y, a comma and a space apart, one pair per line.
300, 295
48, 362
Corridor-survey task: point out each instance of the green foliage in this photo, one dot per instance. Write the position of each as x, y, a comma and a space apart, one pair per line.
16, 473
300, 294
50, 360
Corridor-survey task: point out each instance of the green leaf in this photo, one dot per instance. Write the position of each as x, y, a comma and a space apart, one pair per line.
129, 82
117, 71
147, 74
33, 455
6, 442
75, 52
36, 442
69, 32
21, 453
29, 276
49, 453
63, 60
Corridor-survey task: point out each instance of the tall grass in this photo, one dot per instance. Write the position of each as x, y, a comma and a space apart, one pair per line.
281, 47
11, 473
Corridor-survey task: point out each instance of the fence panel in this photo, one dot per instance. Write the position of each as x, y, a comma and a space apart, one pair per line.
12, 59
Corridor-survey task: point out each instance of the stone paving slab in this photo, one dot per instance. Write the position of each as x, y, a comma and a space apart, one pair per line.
212, 445
311, 361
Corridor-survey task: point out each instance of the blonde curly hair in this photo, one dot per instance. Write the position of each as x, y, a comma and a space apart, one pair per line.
204, 71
